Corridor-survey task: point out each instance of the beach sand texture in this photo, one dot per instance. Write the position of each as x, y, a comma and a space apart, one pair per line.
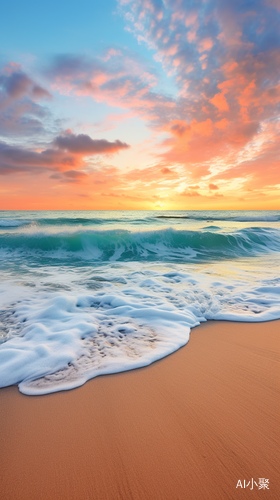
186, 427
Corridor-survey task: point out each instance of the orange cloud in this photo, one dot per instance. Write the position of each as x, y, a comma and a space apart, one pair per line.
220, 102
222, 124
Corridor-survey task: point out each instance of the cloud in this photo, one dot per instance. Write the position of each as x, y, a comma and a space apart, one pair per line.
231, 92
18, 159
119, 78
83, 144
262, 169
20, 112
17, 84
220, 102
24, 119
70, 176
192, 194
66, 150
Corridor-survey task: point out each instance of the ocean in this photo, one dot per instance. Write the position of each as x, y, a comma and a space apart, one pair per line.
85, 293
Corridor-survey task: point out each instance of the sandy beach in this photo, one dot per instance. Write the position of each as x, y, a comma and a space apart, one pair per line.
187, 427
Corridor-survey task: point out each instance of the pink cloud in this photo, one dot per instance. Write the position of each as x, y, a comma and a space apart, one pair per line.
205, 44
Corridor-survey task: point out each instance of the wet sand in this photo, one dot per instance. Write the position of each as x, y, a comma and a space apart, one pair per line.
187, 427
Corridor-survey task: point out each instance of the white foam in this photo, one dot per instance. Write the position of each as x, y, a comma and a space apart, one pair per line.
114, 335
58, 340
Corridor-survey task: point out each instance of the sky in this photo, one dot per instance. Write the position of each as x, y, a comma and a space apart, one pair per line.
140, 105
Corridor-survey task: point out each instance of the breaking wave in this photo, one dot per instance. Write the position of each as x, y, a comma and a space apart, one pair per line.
162, 244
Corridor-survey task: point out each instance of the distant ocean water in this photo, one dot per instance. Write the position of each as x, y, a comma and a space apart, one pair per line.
89, 293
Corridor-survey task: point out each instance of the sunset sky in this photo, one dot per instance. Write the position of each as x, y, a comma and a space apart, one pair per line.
144, 104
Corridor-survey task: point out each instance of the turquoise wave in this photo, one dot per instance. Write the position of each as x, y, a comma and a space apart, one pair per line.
163, 244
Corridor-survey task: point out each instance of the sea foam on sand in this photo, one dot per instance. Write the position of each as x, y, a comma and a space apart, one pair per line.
56, 341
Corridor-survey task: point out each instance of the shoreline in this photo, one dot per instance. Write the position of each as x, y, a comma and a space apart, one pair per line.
188, 426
